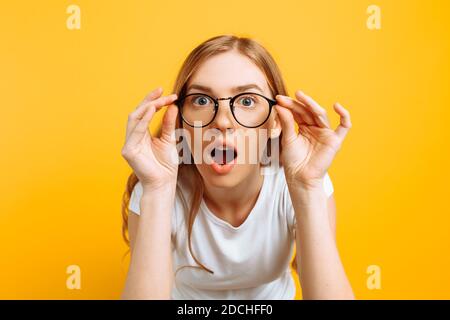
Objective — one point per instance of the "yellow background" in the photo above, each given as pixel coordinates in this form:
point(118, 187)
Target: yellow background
point(66, 95)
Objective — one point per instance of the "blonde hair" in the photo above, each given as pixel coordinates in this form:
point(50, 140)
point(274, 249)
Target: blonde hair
point(213, 46)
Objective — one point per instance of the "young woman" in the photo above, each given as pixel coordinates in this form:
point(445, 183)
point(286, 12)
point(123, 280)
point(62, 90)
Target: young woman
point(217, 227)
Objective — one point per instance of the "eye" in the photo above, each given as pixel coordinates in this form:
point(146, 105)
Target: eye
point(201, 100)
point(246, 101)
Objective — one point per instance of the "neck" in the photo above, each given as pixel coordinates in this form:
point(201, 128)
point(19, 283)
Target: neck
point(234, 204)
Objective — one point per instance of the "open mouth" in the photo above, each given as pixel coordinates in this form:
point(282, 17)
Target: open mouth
point(223, 155)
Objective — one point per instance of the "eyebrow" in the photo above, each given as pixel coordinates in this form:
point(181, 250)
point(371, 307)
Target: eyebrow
point(234, 89)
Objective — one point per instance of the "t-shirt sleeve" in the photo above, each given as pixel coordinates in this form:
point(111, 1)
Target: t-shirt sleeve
point(135, 199)
point(328, 185)
point(289, 210)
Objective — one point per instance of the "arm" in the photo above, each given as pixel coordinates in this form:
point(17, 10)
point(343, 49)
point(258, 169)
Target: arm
point(331, 206)
point(306, 156)
point(150, 273)
point(320, 270)
point(155, 162)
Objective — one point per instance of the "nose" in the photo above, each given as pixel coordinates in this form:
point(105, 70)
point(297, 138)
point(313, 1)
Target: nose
point(224, 118)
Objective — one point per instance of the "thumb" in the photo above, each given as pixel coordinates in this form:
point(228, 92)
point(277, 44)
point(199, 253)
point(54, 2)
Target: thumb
point(287, 124)
point(168, 124)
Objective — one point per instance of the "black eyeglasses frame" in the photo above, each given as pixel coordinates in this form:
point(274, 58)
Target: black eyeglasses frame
point(180, 100)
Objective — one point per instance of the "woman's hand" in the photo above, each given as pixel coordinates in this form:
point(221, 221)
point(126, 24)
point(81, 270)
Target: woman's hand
point(153, 159)
point(307, 156)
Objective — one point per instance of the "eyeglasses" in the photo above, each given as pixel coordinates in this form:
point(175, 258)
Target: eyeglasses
point(249, 109)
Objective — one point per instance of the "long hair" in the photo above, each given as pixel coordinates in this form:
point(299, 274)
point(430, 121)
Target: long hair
point(213, 46)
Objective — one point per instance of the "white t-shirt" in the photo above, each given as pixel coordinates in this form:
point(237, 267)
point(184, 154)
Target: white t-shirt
point(251, 261)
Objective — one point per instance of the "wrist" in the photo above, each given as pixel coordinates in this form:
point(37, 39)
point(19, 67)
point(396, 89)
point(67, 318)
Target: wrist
point(164, 188)
point(307, 197)
point(310, 186)
point(158, 200)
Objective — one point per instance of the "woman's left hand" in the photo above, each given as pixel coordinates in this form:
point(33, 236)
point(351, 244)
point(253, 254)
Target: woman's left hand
point(306, 156)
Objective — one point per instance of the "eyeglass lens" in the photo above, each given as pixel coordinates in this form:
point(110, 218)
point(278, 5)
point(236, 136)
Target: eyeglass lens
point(250, 110)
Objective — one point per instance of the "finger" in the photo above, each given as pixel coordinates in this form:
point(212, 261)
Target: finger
point(345, 122)
point(135, 117)
point(298, 119)
point(320, 114)
point(287, 124)
point(297, 107)
point(138, 132)
point(169, 123)
point(140, 109)
point(156, 93)
point(141, 128)
point(137, 114)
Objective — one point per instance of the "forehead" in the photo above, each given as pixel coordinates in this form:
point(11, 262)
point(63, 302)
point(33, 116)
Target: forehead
point(227, 70)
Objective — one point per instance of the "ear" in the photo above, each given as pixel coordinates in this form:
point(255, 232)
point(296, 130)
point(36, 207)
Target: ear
point(275, 125)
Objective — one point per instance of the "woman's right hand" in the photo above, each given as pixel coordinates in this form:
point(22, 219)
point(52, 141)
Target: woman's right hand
point(154, 160)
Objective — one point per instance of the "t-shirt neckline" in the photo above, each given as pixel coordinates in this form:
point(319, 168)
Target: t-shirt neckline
point(253, 211)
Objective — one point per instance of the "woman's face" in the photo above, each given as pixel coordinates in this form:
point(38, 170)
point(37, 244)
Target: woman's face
point(241, 147)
